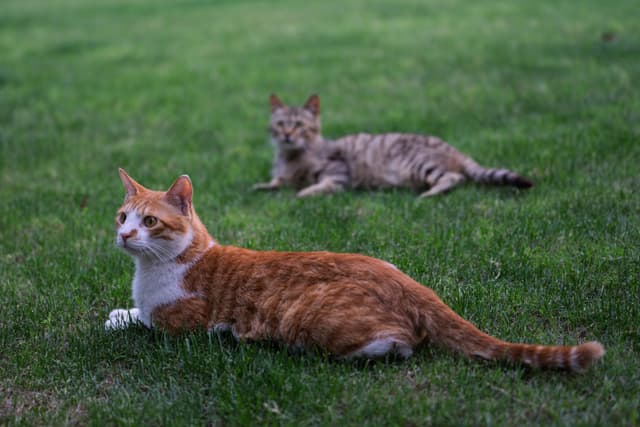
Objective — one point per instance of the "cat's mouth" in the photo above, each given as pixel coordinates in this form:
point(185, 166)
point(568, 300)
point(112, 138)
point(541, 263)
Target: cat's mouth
point(291, 145)
point(128, 246)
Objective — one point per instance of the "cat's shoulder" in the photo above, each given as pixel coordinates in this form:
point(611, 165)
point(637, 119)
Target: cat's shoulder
point(353, 137)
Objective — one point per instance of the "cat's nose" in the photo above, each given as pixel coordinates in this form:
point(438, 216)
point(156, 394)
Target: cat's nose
point(125, 236)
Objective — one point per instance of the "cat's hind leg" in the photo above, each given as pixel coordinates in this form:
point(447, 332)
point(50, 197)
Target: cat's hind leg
point(380, 347)
point(447, 182)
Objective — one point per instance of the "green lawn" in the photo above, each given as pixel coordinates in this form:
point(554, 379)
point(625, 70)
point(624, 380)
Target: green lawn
point(164, 87)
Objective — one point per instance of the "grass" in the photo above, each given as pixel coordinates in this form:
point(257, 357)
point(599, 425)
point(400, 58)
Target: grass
point(163, 88)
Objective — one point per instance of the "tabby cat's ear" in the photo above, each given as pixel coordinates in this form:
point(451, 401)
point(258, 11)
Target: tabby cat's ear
point(313, 104)
point(180, 194)
point(130, 185)
point(275, 102)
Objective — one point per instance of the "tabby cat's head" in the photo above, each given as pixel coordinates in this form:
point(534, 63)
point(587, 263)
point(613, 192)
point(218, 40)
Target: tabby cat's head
point(294, 128)
point(156, 225)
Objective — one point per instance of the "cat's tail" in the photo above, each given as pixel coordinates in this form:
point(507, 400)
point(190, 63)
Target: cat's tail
point(494, 176)
point(447, 328)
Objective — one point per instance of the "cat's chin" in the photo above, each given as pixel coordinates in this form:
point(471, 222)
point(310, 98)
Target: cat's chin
point(130, 251)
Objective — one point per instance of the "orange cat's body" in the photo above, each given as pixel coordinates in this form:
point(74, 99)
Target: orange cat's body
point(338, 302)
point(347, 304)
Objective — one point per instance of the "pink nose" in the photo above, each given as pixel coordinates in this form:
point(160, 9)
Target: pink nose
point(125, 236)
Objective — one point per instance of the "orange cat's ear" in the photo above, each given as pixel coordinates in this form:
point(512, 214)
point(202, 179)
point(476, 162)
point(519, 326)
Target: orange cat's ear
point(313, 104)
point(130, 185)
point(275, 102)
point(180, 194)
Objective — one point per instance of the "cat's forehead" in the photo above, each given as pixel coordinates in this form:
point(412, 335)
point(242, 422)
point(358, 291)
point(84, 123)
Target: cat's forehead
point(149, 203)
point(291, 113)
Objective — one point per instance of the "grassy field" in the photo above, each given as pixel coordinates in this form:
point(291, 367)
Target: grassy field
point(162, 88)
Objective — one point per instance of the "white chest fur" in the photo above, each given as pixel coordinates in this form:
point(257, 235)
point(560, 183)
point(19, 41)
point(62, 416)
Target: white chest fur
point(157, 284)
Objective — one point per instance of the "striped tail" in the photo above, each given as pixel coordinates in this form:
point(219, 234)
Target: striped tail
point(447, 328)
point(494, 176)
point(576, 358)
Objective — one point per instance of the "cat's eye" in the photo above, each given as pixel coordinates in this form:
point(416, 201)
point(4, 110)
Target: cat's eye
point(122, 218)
point(298, 123)
point(279, 123)
point(149, 221)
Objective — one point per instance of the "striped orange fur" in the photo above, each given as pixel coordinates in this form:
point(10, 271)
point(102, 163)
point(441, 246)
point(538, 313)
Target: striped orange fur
point(308, 162)
point(348, 304)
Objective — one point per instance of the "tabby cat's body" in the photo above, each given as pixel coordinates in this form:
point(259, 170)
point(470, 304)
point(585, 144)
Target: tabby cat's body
point(347, 304)
point(306, 161)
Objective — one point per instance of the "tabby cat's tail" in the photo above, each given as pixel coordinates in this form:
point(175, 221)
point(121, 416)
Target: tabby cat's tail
point(447, 328)
point(494, 176)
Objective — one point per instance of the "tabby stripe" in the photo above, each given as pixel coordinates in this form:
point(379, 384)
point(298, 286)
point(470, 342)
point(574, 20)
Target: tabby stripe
point(437, 174)
point(428, 168)
point(573, 359)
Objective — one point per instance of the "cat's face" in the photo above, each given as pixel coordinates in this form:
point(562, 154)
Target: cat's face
point(294, 128)
point(155, 225)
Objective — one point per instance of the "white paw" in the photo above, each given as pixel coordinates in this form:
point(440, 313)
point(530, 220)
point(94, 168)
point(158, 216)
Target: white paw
point(120, 318)
point(261, 186)
point(307, 192)
point(265, 186)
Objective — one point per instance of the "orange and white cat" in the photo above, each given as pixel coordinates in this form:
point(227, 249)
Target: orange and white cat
point(347, 304)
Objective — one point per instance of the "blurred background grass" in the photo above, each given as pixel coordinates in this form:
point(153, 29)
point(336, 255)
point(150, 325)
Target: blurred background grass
point(162, 88)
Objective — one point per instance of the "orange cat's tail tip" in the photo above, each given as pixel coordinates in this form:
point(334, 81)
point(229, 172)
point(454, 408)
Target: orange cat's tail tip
point(595, 348)
point(584, 355)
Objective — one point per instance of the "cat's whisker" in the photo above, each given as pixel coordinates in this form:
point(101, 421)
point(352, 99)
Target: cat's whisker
point(159, 252)
point(169, 253)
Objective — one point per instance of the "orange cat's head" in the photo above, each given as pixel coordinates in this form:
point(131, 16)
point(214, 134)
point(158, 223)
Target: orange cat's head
point(294, 128)
point(158, 225)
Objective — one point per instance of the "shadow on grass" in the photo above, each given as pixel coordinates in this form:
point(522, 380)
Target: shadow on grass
point(200, 344)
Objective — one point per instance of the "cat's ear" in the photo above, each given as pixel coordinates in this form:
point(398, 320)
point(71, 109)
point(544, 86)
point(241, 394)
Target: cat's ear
point(180, 194)
point(275, 102)
point(130, 185)
point(313, 104)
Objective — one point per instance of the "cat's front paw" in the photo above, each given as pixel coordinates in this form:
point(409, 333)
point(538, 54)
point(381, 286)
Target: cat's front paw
point(120, 318)
point(308, 192)
point(264, 186)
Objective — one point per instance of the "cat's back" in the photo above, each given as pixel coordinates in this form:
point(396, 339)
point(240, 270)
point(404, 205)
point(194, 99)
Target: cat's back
point(385, 146)
point(390, 159)
point(230, 267)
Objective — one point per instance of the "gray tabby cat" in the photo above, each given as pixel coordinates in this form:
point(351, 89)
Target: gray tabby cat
point(308, 162)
